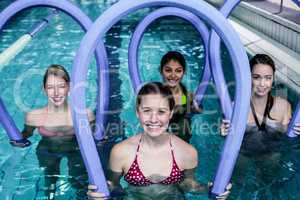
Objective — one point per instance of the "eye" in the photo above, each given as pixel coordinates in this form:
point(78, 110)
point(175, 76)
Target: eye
point(162, 112)
point(62, 86)
point(49, 87)
point(146, 111)
point(179, 71)
point(269, 77)
point(255, 77)
point(168, 70)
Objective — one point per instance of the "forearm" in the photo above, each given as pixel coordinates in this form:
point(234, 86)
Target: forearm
point(189, 184)
point(93, 125)
point(194, 187)
point(196, 108)
point(27, 131)
point(115, 188)
point(114, 178)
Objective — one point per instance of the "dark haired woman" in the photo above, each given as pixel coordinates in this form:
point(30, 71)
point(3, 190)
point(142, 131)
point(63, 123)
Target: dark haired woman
point(172, 68)
point(269, 114)
point(268, 120)
point(54, 124)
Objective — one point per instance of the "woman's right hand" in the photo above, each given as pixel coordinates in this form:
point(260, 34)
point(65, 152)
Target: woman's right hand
point(296, 129)
point(225, 127)
point(95, 195)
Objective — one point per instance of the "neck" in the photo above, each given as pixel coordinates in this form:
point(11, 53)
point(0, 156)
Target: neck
point(259, 100)
point(56, 109)
point(156, 142)
point(176, 90)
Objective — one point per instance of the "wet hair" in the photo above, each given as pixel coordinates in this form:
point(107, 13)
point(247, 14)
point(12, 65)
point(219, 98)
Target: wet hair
point(56, 70)
point(155, 88)
point(262, 59)
point(266, 60)
point(172, 55)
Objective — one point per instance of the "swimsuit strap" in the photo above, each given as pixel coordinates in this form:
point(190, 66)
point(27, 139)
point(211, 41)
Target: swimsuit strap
point(261, 126)
point(172, 151)
point(138, 147)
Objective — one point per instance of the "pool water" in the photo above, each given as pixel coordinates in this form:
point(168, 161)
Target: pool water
point(21, 91)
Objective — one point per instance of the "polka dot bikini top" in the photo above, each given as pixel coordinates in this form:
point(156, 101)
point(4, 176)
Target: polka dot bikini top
point(135, 176)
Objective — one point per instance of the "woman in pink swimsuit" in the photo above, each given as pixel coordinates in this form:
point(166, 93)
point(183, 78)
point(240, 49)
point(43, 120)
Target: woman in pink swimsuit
point(154, 163)
point(54, 123)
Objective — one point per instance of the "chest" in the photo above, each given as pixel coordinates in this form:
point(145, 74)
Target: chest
point(151, 164)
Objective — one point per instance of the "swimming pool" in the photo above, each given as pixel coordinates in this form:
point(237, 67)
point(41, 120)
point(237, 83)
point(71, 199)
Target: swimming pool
point(21, 83)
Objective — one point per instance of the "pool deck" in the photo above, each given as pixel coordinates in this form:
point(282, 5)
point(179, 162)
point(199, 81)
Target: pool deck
point(289, 10)
point(287, 60)
point(273, 33)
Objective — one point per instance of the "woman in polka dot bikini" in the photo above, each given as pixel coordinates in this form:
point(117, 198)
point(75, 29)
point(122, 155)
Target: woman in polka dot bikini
point(154, 163)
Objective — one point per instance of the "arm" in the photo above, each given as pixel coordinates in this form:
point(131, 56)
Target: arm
point(30, 124)
point(115, 173)
point(287, 112)
point(296, 127)
point(225, 127)
point(92, 120)
point(195, 108)
point(189, 184)
point(28, 131)
point(189, 164)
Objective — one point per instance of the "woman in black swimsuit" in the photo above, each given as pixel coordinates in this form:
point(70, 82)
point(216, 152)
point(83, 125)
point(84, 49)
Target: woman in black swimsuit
point(268, 120)
point(269, 114)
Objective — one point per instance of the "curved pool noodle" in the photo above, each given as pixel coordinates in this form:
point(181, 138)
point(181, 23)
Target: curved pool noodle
point(216, 65)
point(19, 45)
point(8, 124)
point(294, 120)
point(86, 142)
point(13, 50)
point(217, 22)
point(225, 100)
point(139, 32)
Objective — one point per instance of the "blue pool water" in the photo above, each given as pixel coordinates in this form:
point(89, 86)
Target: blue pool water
point(21, 91)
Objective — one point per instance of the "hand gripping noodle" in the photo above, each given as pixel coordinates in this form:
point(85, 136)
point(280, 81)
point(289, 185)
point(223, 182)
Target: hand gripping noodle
point(295, 119)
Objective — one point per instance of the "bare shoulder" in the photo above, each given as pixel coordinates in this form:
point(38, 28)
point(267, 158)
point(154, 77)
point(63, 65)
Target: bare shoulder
point(125, 147)
point(281, 101)
point(281, 104)
point(122, 154)
point(186, 154)
point(35, 117)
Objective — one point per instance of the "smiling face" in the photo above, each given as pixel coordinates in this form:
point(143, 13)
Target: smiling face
point(262, 79)
point(172, 73)
point(56, 89)
point(154, 114)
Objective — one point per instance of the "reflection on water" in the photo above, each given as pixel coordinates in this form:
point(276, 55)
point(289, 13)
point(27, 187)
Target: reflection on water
point(269, 175)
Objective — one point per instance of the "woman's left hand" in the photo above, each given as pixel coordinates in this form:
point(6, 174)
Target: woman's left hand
point(296, 129)
point(225, 194)
point(95, 195)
